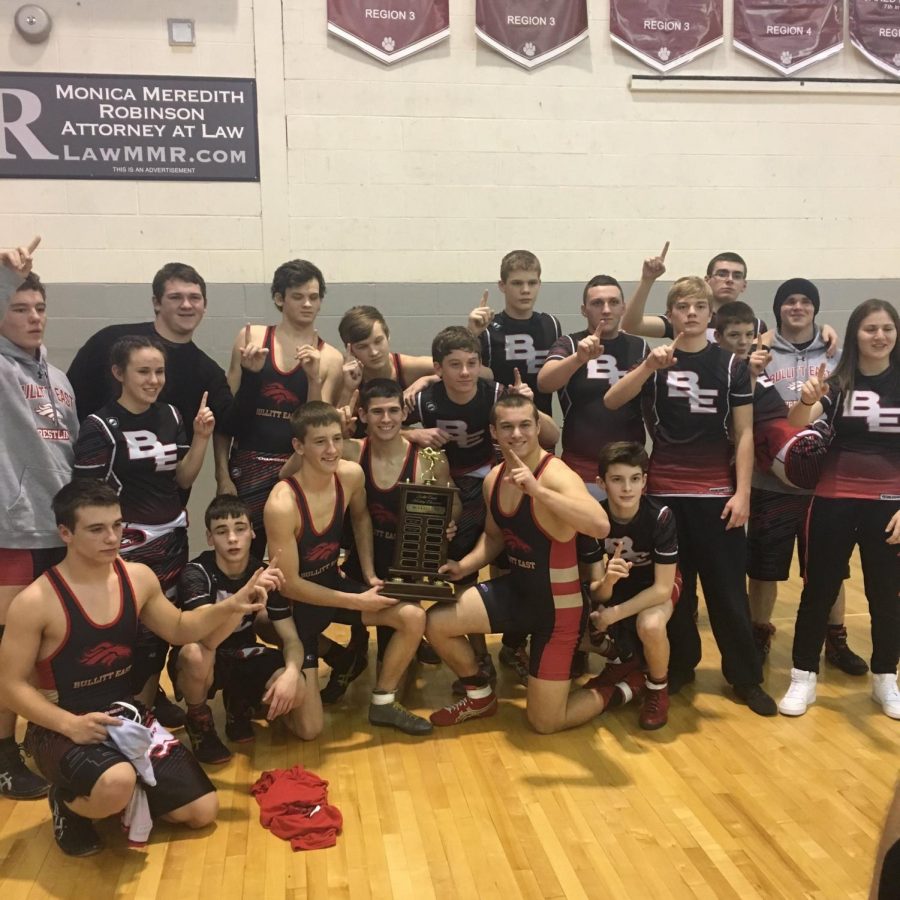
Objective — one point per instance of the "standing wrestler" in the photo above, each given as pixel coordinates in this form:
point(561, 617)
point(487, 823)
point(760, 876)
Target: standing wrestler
point(75, 629)
point(249, 674)
point(274, 370)
point(138, 445)
point(518, 337)
point(582, 367)
point(304, 518)
point(701, 398)
point(536, 507)
point(37, 409)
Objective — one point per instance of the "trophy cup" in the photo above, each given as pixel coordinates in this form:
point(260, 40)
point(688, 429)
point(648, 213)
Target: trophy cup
point(421, 545)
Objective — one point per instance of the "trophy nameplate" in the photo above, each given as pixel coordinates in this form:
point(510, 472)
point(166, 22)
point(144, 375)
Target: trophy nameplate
point(420, 548)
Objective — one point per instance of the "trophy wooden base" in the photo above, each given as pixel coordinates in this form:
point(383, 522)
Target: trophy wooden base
point(441, 591)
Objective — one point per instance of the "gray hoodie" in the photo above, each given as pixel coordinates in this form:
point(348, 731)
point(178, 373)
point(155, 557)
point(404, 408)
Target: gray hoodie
point(38, 427)
point(789, 369)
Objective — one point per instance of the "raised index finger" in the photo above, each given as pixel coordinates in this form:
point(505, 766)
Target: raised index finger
point(35, 243)
point(665, 250)
point(203, 399)
point(618, 551)
point(821, 373)
point(246, 334)
point(273, 559)
point(484, 298)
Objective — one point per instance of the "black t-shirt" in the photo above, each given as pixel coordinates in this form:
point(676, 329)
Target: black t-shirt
point(508, 344)
point(189, 372)
point(650, 538)
point(689, 411)
point(864, 458)
point(136, 455)
point(203, 583)
point(588, 425)
point(470, 446)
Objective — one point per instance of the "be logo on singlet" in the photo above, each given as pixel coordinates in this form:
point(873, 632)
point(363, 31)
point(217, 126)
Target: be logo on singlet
point(521, 347)
point(629, 554)
point(604, 368)
point(144, 445)
point(687, 386)
point(866, 405)
point(459, 432)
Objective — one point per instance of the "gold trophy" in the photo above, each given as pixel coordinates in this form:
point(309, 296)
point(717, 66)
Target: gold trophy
point(421, 543)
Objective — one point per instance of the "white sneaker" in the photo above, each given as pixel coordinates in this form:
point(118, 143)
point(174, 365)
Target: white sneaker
point(886, 692)
point(800, 694)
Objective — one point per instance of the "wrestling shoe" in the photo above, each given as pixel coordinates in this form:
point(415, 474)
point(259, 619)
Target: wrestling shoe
point(239, 729)
point(800, 694)
point(347, 669)
point(75, 835)
point(886, 692)
point(838, 654)
point(168, 714)
point(516, 658)
point(614, 672)
point(655, 708)
point(17, 781)
point(464, 709)
point(398, 716)
point(205, 741)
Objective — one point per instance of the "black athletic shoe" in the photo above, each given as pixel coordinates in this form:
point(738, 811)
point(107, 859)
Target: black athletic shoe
point(757, 699)
point(75, 835)
point(349, 667)
point(398, 716)
point(239, 729)
point(427, 655)
point(167, 713)
point(205, 741)
point(838, 654)
point(17, 781)
point(678, 679)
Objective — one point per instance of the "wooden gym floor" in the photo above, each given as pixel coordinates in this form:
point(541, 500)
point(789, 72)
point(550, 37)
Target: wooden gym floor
point(719, 804)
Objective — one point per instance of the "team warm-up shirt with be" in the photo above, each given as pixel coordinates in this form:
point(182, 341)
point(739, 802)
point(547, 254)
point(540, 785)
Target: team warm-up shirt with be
point(136, 455)
point(689, 409)
point(587, 424)
point(508, 344)
point(470, 446)
point(864, 457)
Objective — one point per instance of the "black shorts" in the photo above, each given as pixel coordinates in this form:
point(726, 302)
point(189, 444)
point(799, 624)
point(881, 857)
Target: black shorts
point(776, 521)
point(250, 668)
point(312, 620)
point(555, 633)
point(76, 768)
point(470, 524)
point(148, 657)
point(21, 567)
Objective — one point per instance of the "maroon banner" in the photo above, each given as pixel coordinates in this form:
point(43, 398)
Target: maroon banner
point(666, 33)
point(531, 32)
point(875, 32)
point(390, 29)
point(788, 35)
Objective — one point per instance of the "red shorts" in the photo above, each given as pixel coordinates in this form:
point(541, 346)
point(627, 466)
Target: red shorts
point(18, 568)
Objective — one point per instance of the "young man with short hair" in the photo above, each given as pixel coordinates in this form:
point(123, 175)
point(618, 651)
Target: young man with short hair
point(275, 369)
point(37, 409)
point(73, 632)
point(304, 518)
point(778, 508)
point(251, 675)
point(640, 584)
point(537, 506)
point(701, 399)
point(518, 337)
point(582, 367)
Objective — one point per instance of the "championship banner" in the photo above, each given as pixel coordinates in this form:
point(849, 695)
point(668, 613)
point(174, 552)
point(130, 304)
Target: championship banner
point(788, 35)
point(531, 32)
point(875, 32)
point(666, 33)
point(390, 30)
